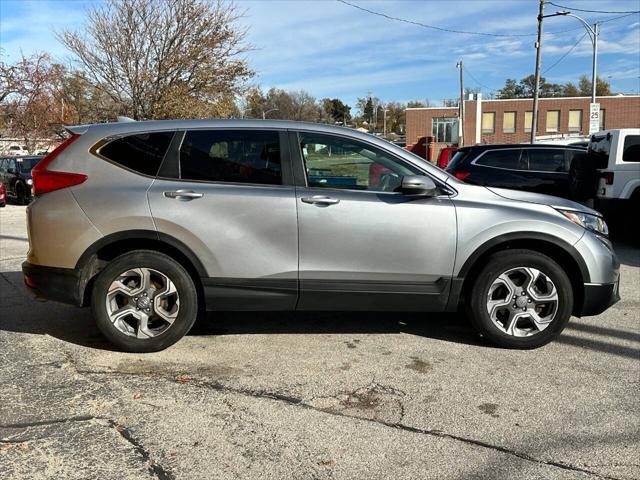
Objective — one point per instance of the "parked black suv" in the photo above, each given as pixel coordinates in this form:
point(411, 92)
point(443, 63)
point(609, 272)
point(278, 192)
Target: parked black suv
point(536, 168)
point(15, 175)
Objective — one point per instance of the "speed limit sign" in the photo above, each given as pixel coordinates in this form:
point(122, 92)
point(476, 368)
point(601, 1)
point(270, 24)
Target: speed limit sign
point(594, 117)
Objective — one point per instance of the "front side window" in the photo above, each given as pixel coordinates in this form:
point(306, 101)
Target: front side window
point(488, 122)
point(142, 153)
point(445, 129)
point(547, 160)
point(553, 120)
point(509, 122)
point(26, 164)
point(236, 156)
point(509, 158)
point(631, 152)
point(338, 162)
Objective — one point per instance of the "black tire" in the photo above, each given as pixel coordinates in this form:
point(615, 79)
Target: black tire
point(21, 194)
point(583, 177)
point(501, 262)
point(185, 287)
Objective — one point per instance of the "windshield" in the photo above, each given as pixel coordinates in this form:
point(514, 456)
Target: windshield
point(457, 158)
point(25, 165)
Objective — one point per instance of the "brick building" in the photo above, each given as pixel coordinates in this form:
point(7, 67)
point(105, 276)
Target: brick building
point(509, 120)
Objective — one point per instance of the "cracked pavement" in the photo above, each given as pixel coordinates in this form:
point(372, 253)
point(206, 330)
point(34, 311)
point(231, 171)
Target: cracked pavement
point(318, 395)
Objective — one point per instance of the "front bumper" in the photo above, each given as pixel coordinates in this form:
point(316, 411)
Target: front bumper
point(599, 297)
point(57, 284)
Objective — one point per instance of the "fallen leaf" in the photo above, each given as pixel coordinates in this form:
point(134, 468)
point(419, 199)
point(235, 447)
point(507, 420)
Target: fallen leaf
point(137, 396)
point(182, 379)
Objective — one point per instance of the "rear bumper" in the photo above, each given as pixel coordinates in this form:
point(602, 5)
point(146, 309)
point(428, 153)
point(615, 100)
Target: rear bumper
point(57, 284)
point(599, 297)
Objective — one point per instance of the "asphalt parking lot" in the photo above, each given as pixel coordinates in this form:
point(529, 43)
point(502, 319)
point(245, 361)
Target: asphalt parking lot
point(313, 396)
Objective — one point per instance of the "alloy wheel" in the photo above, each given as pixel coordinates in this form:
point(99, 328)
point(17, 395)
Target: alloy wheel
point(142, 302)
point(522, 301)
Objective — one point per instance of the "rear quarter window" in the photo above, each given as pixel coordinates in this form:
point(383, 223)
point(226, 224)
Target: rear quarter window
point(631, 152)
point(457, 159)
point(142, 152)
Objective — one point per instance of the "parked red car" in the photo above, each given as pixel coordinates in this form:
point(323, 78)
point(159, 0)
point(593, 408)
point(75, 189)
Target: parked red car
point(445, 155)
point(3, 195)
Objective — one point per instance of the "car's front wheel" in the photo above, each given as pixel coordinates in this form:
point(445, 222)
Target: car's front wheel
point(521, 299)
point(144, 301)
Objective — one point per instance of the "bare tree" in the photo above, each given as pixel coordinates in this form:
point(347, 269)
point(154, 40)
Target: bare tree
point(30, 94)
point(163, 58)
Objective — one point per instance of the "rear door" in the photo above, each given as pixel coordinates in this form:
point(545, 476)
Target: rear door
point(364, 245)
point(228, 195)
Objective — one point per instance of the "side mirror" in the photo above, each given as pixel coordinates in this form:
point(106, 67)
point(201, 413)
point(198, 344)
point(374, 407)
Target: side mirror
point(418, 185)
point(11, 170)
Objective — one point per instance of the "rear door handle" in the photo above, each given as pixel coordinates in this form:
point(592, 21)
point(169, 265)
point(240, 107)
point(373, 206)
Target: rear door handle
point(183, 194)
point(319, 199)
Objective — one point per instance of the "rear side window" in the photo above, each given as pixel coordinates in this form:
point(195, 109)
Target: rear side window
point(547, 160)
point(237, 156)
point(631, 152)
point(142, 153)
point(508, 158)
point(599, 148)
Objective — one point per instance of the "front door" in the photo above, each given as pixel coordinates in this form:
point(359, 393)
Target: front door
point(227, 195)
point(362, 244)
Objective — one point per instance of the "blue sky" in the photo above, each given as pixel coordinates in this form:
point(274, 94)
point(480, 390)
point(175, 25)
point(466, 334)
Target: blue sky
point(333, 50)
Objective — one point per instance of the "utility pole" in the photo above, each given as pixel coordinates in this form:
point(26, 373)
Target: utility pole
point(536, 86)
point(384, 116)
point(461, 107)
point(594, 77)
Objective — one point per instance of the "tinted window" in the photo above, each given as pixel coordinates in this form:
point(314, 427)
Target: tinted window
point(631, 152)
point(338, 162)
point(26, 164)
point(547, 160)
point(457, 159)
point(599, 147)
point(507, 158)
point(231, 156)
point(142, 153)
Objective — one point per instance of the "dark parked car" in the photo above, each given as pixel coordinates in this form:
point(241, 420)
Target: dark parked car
point(15, 175)
point(535, 168)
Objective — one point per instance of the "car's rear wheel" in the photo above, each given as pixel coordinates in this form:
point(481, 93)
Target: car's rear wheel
point(521, 299)
point(144, 301)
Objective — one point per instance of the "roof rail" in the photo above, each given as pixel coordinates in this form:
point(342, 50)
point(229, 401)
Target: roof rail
point(124, 119)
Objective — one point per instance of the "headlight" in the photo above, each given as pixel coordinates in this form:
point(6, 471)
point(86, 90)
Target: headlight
point(29, 182)
point(588, 221)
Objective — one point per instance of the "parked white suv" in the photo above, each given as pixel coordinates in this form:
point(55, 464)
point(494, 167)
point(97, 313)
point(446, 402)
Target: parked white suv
point(617, 155)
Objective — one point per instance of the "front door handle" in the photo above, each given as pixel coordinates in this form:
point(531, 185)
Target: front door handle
point(183, 194)
point(319, 199)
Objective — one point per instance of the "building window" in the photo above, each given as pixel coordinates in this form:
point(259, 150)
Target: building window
point(528, 121)
point(553, 121)
point(445, 129)
point(509, 122)
point(575, 120)
point(601, 119)
point(488, 122)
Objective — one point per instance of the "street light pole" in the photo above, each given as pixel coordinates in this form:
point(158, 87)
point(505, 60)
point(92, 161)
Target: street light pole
point(461, 107)
point(536, 86)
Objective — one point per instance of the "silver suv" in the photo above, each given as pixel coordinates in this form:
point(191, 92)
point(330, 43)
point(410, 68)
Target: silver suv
point(152, 223)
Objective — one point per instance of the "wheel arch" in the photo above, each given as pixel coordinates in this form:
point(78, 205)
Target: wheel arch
point(96, 257)
point(561, 252)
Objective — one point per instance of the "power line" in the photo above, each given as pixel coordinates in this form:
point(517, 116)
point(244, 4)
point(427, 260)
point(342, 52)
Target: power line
point(592, 11)
point(617, 18)
point(491, 90)
point(424, 25)
point(450, 30)
point(566, 53)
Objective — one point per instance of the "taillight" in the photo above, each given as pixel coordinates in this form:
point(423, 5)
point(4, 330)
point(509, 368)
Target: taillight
point(45, 180)
point(608, 178)
point(461, 175)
